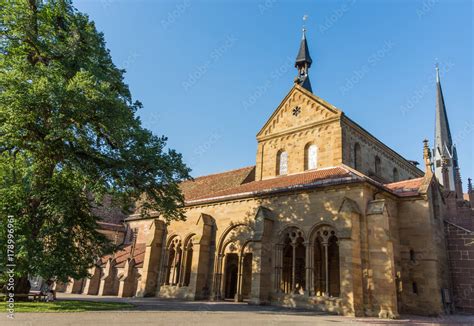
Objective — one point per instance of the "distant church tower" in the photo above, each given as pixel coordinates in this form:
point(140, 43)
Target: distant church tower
point(444, 151)
point(303, 63)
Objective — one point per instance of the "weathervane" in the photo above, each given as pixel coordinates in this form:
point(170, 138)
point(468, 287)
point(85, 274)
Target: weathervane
point(305, 17)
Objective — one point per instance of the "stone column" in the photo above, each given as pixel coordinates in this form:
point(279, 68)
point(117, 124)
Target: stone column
point(308, 268)
point(218, 277)
point(238, 295)
point(326, 268)
point(278, 266)
point(153, 255)
point(200, 271)
point(261, 289)
point(293, 268)
point(183, 266)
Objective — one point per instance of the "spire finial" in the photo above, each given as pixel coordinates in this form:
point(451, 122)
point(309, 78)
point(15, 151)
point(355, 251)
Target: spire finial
point(303, 61)
point(437, 71)
point(305, 18)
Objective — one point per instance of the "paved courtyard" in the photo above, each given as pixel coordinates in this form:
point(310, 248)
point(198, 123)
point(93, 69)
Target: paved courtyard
point(150, 311)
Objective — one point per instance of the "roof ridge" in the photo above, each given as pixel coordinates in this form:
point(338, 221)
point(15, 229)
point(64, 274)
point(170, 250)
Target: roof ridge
point(223, 172)
point(402, 181)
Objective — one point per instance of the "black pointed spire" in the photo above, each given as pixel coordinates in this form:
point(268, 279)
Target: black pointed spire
point(303, 63)
point(443, 134)
point(443, 143)
point(303, 57)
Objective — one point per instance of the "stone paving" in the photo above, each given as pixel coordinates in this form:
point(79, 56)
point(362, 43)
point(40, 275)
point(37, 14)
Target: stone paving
point(151, 311)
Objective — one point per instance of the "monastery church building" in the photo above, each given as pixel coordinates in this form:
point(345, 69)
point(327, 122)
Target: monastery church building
point(329, 218)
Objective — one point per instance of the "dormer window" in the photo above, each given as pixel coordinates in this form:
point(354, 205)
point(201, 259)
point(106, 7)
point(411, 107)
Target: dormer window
point(311, 157)
point(282, 163)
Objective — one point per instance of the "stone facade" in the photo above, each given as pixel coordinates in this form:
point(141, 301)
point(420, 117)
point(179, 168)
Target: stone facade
point(340, 237)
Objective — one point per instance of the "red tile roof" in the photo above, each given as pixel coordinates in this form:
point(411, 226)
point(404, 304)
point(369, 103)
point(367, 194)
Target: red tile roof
point(111, 226)
point(123, 254)
point(406, 187)
point(205, 185)
point(282, 183)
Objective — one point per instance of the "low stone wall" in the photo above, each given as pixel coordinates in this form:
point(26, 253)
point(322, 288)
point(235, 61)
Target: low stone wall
point(176, 292)
point(326, 304)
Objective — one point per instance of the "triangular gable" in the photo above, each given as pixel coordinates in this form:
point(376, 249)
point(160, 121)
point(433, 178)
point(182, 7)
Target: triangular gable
point(312, 110)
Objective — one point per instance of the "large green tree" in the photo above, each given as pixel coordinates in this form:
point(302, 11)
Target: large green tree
point(69, 134)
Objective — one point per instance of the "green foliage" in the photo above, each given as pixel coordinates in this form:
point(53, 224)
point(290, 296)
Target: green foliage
point(69, 134)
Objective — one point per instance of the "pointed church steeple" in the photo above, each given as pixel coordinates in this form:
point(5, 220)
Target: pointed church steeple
point(303, 63)
point(443, 143)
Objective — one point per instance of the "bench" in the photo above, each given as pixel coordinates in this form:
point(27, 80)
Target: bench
point(34, 296)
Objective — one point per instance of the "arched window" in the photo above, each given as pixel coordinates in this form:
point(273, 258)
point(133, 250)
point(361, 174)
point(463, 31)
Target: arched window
point(377, 165)
point(395, 175)
point(293, 263)
point(174, 262)
point(282, 163)
point(188, 262)
point(326, 263)
point(357, 164)
point(311, 157)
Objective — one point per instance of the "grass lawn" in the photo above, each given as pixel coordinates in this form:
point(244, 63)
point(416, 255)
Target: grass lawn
point(69, 306)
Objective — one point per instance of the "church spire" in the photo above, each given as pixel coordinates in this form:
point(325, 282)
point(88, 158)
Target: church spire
point(303, 62)
point(443, 144)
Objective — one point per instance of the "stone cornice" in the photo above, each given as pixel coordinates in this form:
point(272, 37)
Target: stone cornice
point(298, 129)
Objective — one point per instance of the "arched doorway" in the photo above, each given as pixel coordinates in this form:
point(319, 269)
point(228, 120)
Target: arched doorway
point(233, 269)
point(231, 274)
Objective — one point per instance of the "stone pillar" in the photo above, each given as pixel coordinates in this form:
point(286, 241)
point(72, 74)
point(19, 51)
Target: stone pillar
point(127, 280)
point(74, 286)
point(261, 273)
point(147, 286)
point(381, 257)
point(427, 158)
point(238, 295)
point(108, 279)
point(218, 277)
point(200, 269)
point(92, 283)
point(350, 261)
point(278, 267)
point(262, 257)
point(309, 289)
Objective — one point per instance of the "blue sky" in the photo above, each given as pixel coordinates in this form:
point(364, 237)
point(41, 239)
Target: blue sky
point(210, 73)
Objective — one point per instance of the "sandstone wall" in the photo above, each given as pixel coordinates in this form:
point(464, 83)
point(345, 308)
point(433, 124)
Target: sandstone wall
point(461, 259)
point(369, 149)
